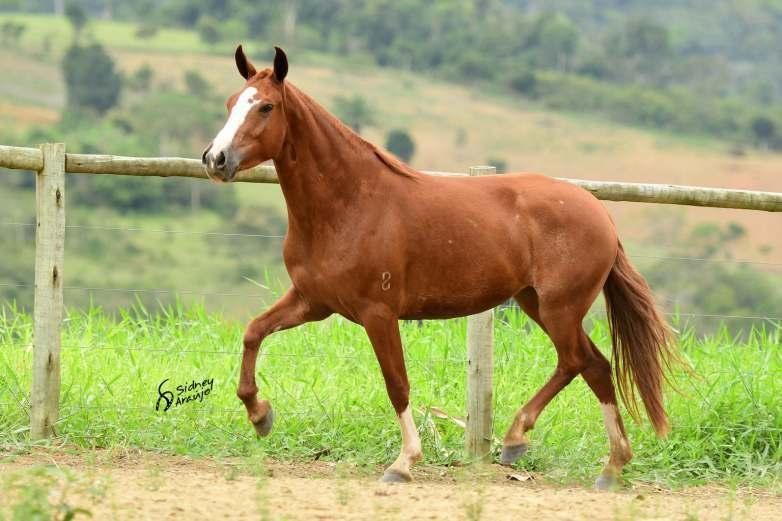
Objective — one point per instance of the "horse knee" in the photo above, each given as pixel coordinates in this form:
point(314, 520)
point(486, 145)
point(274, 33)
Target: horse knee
point(253, 336)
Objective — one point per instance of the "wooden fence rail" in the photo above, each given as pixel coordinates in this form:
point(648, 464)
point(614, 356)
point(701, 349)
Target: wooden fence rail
point(31, 159)
point(51, 162)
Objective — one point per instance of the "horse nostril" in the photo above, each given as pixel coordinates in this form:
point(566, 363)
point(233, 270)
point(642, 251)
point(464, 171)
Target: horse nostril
point(220, 163)
point(206, 151)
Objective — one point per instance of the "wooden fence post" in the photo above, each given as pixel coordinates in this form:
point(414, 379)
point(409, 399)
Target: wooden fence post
point(480, 346)
point(47, 313)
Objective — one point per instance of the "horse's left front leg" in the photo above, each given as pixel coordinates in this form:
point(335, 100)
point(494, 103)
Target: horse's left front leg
point(290, 311)
point(383, 331)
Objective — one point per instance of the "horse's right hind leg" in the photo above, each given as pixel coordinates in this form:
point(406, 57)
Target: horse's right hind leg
point(598, 377)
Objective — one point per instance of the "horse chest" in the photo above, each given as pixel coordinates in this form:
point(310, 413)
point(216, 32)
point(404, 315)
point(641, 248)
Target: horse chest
point(314, 273)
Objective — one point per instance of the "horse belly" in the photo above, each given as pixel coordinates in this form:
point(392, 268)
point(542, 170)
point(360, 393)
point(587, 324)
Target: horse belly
point(462, 283)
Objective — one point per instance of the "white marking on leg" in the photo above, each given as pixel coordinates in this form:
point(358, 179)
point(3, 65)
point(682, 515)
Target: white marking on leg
point(619, 447)
point(411, 444)
point(517, 433)
point(239, 112)
point(610, 418)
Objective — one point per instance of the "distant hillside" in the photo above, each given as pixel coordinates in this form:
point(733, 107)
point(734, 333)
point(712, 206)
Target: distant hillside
point(454, 127)
point(691, 67)
point(745, 36)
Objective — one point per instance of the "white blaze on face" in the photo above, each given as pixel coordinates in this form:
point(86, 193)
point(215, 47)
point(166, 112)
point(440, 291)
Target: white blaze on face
point(239, 112)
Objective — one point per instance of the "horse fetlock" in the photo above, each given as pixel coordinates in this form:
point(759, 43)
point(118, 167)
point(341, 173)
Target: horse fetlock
point(415, 455)
point(624, 454)
point(517, 434)
point(618, 458)
point(257, 410)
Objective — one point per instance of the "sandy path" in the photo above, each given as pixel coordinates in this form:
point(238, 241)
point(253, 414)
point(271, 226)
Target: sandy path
point(143, 486)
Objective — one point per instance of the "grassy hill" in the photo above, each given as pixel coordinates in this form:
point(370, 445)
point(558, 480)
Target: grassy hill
point(453, 126)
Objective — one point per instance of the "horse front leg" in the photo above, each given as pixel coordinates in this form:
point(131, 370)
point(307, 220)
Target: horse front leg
point(290, 311)
point(383, 332)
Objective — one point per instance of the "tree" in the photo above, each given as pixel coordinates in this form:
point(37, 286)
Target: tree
point(146, 30)
point(209, 30)
point(354, 112)
point(764, 130)
point(500, 164)
point(77, 16)
point(400, 143)
point(554, 39)
point(524, 82)
point(641, 50)
point(196, 84)
point(11, 32)
point(141, 80)
point(91, 79)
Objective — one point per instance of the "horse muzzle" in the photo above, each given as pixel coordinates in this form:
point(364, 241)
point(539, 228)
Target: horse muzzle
point(221, 166)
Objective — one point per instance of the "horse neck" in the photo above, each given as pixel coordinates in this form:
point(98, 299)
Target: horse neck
point(324, 168)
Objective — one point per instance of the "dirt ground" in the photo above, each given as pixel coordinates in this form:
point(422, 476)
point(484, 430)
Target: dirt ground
point(140, 486)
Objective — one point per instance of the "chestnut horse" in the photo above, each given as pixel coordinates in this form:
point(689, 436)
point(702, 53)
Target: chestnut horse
point(376, 241)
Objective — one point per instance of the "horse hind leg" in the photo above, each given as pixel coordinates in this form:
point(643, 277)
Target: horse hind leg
point(598, 377)
point(563, 327)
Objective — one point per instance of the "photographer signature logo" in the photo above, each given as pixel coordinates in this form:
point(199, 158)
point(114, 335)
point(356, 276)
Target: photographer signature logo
point(193, 391)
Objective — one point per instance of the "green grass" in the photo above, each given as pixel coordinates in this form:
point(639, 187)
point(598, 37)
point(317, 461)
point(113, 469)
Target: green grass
point(331, 402)
point(149, 252)
point(58, 32)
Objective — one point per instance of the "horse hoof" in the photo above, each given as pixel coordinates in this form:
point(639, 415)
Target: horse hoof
point(394, 476)
point(511, 454)
point(264, 427)
point(607, 483)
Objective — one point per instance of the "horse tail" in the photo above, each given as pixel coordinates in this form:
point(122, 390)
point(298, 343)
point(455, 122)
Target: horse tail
point(642, 343)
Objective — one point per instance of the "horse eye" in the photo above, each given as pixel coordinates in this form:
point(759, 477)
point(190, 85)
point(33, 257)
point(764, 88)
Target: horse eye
point(267, 108)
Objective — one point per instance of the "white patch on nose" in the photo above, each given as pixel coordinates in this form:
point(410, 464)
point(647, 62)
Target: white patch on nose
point(239, 112)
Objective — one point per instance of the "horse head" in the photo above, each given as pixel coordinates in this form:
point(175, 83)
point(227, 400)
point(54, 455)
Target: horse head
point(256, 128)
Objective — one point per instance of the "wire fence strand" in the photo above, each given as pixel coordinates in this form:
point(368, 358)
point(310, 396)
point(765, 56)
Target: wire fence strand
point(277, 236)
point(152, 230)
point(172, 291)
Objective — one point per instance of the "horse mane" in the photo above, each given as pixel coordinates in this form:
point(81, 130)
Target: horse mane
point(392, 162)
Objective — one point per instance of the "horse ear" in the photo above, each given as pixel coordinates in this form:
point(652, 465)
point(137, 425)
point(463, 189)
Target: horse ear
point(280, 64)
point(246, 68)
